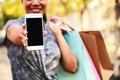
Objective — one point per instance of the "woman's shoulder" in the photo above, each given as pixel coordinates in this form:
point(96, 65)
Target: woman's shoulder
point(12, 21)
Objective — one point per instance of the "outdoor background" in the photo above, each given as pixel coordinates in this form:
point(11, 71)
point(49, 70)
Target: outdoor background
point(80, 14)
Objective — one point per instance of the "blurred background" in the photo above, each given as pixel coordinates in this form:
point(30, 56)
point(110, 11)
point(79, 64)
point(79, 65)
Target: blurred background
point(82, 15)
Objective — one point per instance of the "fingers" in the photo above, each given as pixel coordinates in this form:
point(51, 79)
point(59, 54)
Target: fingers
point(24, 41)
point(55, 19)
point(24, 35)
point(23, 27)
point(44, 33)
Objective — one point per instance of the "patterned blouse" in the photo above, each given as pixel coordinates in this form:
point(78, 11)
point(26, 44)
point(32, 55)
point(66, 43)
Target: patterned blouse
point(36, 64)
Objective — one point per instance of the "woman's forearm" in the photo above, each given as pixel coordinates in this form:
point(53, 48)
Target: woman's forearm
point(69, 62)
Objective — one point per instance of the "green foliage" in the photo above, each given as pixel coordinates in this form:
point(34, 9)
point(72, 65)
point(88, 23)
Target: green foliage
point(63, 7)
point(1, 23)
point(12, 9)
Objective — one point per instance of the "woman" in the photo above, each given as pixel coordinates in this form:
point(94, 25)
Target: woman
point(38, 64)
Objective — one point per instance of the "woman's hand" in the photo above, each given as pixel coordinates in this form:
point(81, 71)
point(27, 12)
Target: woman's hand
point(17, 34)
point(54, 25)
point(14, 34)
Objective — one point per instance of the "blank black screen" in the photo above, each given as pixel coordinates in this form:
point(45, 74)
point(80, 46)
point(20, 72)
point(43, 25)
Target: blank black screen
point(35, 33)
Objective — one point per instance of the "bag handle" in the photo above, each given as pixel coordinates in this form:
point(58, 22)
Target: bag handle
point(66, 28)
point(67, 25)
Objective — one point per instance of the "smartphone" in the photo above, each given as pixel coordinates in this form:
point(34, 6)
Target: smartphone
point(34, 25)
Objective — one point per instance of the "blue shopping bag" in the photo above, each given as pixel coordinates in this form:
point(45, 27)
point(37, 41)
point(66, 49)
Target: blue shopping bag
point(85, 70)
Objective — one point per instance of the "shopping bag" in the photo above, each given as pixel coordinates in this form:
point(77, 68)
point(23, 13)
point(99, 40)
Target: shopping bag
point(97, 76)
point(101, 48)
point(91, 45)
point(97, 51)
point(85, 70)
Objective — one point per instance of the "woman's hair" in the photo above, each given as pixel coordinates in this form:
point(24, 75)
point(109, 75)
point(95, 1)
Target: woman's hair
point(45, 18)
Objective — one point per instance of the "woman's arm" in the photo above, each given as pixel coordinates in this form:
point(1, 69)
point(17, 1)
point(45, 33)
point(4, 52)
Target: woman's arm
point(68, 61)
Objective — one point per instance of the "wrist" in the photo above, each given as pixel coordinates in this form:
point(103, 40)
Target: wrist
point(57, 33)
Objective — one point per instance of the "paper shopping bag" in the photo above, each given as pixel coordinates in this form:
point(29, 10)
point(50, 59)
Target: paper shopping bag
point(85, 70)
point(97, 76)
point(95, 45)
point(101, 48)
point(91, 45)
